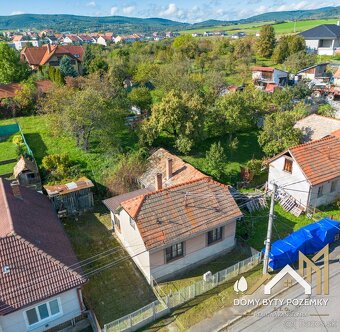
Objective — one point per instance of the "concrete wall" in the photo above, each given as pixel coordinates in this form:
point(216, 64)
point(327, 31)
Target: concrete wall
point(133, 243)
point(302, 191)
point(282, 178)
point(70, 308)
point(327, 196)
point(312, 44)
point(196, 251)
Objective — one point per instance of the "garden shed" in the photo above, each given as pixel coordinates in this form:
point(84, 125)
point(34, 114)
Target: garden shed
point(27, 173)
point(71, 198)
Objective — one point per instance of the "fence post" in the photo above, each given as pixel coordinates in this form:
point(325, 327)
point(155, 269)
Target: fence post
point(238, 268)
point(130, 320)
point(153, 311)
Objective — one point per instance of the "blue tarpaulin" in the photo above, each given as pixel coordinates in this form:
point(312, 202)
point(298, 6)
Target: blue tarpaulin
point(308, 239)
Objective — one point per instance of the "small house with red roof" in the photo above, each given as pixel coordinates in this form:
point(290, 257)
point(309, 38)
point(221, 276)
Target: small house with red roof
point(40, 276)
point(310, 172)
point(179, 220)
point(52, 54)
point(268, 78)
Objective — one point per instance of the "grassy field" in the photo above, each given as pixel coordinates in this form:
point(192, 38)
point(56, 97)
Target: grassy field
point(252, 28)
point(43, 141)
point(114, 292)
point(284, 224)
point(8, 150)
point(247, 149)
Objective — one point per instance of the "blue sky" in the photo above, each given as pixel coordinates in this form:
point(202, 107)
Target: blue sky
point(185, 11)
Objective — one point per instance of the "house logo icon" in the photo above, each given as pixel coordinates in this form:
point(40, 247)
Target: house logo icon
point(288, 270)
point(304, 279)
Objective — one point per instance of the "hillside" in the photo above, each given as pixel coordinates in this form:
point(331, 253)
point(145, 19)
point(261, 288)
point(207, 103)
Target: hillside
point(74, 23)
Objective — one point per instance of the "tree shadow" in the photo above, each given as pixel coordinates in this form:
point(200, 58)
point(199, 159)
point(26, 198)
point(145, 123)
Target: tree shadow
point(37, 145)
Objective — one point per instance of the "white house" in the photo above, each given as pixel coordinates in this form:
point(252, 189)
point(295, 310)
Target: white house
point(309, 172)
point(39, 279)
point(323, 39)
point(170, 226)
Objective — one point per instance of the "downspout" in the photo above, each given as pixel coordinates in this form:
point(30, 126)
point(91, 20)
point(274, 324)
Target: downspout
point(80, 300)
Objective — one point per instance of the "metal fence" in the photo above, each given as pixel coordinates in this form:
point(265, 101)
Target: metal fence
point(165, 303)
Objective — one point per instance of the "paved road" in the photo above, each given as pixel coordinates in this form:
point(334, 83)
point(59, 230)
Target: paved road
point(312, 318)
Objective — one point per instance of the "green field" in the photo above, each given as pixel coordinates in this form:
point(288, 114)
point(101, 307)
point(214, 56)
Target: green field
point(252, 28)
point(8, 150)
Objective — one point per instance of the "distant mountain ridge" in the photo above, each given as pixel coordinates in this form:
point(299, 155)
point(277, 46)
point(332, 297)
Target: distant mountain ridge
point(122, 24)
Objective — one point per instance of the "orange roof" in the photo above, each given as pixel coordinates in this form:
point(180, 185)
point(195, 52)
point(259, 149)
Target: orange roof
point(17, 38)
point(9, 90)
point(319, 160)
point(40, 55)
point(175, 213)
point(62, 189)
point(337, 73)
point(181, 171)
point(258, 68)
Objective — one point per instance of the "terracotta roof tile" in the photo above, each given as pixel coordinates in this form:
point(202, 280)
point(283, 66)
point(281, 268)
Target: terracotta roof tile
point(177, 212)
point(9, 90)
point(182, 171)
point(34, 245)
point(319, 159)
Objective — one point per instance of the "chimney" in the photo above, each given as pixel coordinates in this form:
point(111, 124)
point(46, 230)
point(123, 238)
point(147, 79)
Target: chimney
point(158, 182)
point(16, 189)
point(168, 168)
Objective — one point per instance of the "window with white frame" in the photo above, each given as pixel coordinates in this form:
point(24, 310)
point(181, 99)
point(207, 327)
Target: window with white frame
point(43, 312)
point(215, 235)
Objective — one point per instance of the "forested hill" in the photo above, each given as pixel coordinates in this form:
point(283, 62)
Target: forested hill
point(74, 23)
point(121, 24)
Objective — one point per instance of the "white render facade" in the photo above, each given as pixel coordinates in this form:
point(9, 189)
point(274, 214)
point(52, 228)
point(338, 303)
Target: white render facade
point(63, 308)
point(153, 264)
point(297, 185)
point(323, 46)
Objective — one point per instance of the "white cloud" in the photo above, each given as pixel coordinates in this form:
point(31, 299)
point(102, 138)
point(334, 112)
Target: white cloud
point(170, 10)
point(114, 10)
point(17, 12)
point(128, 10)
point(91, 4)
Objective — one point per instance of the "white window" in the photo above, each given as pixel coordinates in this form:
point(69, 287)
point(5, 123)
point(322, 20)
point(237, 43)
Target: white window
point(43, 313)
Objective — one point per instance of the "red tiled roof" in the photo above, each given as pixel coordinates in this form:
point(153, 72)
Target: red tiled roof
point(258, 68)
point(38, 56)
point(179, 211)
point(17, 38)
point(181, 171)
point(319, 159)
point(34, 246)
point(9, 90)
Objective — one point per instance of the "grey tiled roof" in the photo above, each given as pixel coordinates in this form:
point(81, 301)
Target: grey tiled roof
point(322, 31)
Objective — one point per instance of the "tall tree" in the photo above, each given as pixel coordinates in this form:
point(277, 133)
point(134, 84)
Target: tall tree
point(266, 42)
point(216, 160)
point(11, 69)
point(87, 59)
point(181, 115)
point(66, 67)
point(278, 133)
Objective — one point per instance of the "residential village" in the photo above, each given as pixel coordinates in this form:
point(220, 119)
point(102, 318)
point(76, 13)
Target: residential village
point(137, 171)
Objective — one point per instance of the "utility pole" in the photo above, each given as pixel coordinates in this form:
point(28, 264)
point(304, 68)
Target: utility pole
point(269, 230)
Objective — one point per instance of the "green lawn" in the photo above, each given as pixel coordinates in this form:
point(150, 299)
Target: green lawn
point(248, 148)
point(43, 141)
point(114, 292)
point(8, 150)
point(252, 28)
point(284, 223)
point(239, 253)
